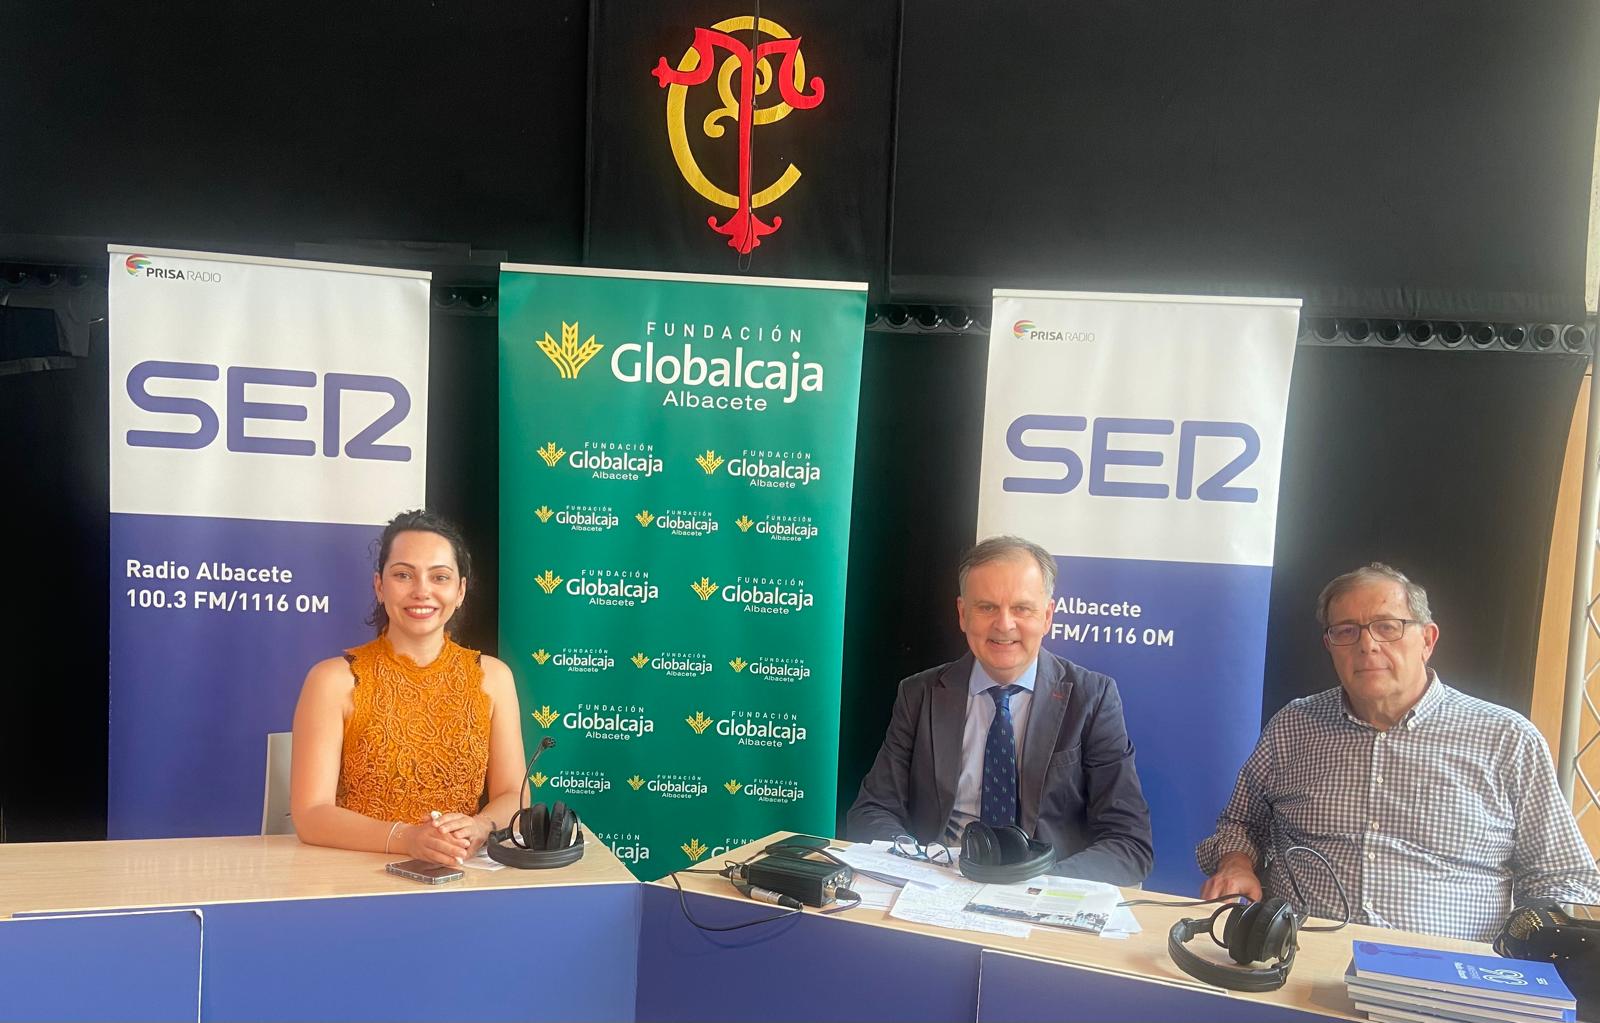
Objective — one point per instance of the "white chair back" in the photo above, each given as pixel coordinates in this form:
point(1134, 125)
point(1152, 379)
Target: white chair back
point(275, 801)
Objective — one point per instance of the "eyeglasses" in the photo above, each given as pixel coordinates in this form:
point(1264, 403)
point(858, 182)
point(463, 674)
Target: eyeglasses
point(911, 849)
point(1384, 630)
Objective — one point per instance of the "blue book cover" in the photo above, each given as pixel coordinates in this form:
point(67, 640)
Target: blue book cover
point(1490, 977)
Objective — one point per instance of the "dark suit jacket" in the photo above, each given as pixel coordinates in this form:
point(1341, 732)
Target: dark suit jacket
point(1077, 787)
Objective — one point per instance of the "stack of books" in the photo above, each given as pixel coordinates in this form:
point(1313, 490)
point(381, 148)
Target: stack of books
point(1402, 984)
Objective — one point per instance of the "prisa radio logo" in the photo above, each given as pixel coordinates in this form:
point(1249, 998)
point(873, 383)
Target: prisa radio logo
point(1027, 330)
point(1113, 449)
point(140, 265)
point(201, 413)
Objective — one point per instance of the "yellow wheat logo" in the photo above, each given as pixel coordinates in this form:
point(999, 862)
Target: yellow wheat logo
point(538, 779)
point(738, 663)
point(548, 582)
point(551, 454)
point(544, 513)
point(705, 587)
point(639, 659)
point(744, 522)
point(709, 461)
point(732, 786)
point(569, 356)
point(699, 722)
point(645, 518)
point(693, 849)
point(637, 782)
point(541, 655)
point(544, 715)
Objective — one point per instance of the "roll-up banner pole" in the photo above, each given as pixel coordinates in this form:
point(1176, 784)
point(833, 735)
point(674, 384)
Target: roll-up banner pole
point(1138, 438)
point(267, 416)
point(676, 460)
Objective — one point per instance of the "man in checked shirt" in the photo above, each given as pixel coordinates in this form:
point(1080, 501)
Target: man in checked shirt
point(1438, 811)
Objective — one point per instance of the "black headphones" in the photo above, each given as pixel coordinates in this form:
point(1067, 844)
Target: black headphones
point(540, 837)
point(1251, 933)
point(1003, 855)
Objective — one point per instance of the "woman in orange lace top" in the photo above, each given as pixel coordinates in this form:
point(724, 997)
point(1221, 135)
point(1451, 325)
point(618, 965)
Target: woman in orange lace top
point(410, 743)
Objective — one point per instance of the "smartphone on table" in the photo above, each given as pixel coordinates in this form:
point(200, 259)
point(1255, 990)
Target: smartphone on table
point(797, 845)
point(422, 870)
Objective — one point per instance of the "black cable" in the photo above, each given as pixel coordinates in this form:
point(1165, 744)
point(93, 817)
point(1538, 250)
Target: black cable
point(839, 907)
point(1294, 882)
point(683, 904)
point(1184, 904)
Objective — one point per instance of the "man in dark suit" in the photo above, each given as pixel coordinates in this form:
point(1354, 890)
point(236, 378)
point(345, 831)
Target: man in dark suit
point(1010, 734)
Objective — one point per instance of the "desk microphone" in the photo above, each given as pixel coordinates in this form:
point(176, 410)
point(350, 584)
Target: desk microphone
point(540, 836)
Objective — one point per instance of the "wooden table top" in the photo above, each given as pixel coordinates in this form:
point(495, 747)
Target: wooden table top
point(55, 876)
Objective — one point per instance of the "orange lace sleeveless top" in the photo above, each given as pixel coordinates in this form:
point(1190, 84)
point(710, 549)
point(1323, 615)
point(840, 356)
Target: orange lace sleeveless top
point(418, 738)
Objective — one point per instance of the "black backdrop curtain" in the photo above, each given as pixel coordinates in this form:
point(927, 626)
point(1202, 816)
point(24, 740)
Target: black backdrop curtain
point(1424, 158)
point(1445, 465)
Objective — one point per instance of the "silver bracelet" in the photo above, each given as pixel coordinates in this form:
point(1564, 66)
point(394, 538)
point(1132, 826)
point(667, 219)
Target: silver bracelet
point(390, 837)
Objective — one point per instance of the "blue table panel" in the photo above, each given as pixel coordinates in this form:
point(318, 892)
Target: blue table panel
point(806, 967)
point(124, 967)
point(1019, 989)
point(558, 953)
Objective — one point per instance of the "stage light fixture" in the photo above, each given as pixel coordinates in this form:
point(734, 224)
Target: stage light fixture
point(1324, 328)
point(1544, 336)
point(1573, 338)
point(477, 299)
point(897, 316)
point(1421, 332)
point(1451, 334)
point(957, 317)
point(1357, 330)
point(444, 298)
point(1389, 331)
point(1482, 334)
point(874, 316)
point(1512, 335)
point(928, 317)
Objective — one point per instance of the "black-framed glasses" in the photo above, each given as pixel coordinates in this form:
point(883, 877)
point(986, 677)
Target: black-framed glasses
point(911, 849)
point(1384, 630)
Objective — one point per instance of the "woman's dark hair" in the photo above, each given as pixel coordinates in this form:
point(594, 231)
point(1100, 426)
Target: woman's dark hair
point(421, 521)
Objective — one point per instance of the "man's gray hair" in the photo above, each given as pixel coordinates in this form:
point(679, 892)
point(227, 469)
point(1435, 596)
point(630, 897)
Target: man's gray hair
point(1376, 572)
point(1004, 548)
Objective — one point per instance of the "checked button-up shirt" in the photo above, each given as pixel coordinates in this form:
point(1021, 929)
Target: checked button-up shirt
point(1439, 825)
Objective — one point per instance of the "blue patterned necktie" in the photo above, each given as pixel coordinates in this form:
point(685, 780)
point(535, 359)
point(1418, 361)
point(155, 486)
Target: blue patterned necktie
point(999, 805)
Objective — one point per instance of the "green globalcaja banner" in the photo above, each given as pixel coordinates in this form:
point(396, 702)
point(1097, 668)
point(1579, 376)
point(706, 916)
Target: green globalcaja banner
point(676, 459)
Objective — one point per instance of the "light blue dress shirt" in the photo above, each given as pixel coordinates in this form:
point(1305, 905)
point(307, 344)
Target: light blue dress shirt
point(975, 737)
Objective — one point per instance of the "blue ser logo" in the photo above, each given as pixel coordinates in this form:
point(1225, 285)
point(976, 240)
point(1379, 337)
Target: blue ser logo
point(239, 411)
point(1102, 456)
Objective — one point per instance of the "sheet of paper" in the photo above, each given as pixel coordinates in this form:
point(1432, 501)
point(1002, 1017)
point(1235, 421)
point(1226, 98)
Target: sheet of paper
point(1122, 925)
point(874, 894)
point(942, 907)
point(1056, 901)
point(877, 859)
point(482, 862)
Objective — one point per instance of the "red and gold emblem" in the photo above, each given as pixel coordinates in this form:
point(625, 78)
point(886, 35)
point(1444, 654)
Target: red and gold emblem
point(751, 74)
